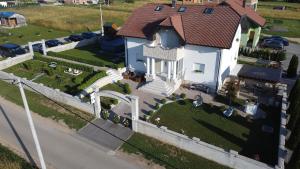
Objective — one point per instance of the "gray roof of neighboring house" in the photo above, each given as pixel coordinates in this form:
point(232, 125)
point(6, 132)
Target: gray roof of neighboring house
point(260, 73)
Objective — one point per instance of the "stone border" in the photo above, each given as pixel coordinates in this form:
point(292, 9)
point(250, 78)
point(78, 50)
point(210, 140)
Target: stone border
point(4, 64)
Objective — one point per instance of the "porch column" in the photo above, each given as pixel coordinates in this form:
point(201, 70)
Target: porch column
point(153, 68)
point(174, 70)
point(169, 70)
point(148, 66)
point(162, 65)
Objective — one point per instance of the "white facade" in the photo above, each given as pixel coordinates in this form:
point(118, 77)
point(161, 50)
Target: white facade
point(3, 4)
point(167, 59)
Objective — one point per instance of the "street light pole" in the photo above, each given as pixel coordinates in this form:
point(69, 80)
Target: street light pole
point(101, 20)
point(35, 138)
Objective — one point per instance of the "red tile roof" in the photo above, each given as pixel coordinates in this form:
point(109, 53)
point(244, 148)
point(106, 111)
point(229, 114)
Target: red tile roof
point(214, 30)
point(237, 5)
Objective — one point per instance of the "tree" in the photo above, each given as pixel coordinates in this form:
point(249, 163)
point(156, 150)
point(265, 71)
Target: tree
point(231, 91)
point(293, 67)
point(294, 107)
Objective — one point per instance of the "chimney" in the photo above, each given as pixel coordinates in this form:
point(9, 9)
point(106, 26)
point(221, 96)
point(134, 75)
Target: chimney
point(173, 3)
point(244, 3)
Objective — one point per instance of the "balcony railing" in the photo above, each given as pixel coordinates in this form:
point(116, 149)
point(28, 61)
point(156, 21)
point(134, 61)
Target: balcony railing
point(161, 53)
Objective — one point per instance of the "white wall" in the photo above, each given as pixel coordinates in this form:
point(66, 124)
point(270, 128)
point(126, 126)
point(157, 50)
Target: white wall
point(204, 55)
point(4, 4)
point(135, 50)
point(229, 57)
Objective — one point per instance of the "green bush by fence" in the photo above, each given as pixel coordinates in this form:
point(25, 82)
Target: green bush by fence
point(265, 54)
point(91, 80)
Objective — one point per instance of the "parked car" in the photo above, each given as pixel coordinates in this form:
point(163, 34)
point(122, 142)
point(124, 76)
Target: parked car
point(228, 112)
point(53, 43)
point(75, 38)
point(88, 35)
point(38, 47)
point(11, 50)
point(274, 44)
point(279, 38)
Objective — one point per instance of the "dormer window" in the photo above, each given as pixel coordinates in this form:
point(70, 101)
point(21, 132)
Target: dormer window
point(158, 8)
point(208, 10)
point(182, 9)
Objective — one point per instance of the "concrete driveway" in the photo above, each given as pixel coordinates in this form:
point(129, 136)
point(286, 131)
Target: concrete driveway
point(106, 133)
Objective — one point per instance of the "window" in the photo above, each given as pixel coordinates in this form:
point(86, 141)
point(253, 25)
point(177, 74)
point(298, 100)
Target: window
point(182, 9)
point(208, 10)
point(158, 8)
point(199, 68)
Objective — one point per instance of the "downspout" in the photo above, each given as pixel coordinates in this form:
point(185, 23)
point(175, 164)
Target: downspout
point(219, 67)
point(126, 53)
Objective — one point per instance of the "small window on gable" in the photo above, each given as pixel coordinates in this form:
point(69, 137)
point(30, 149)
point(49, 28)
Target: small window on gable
point(182, 9)
point(199, 67)
point(158, 8)
point(208, 10)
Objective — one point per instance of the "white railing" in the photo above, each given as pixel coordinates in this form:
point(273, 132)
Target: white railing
point(162, 53)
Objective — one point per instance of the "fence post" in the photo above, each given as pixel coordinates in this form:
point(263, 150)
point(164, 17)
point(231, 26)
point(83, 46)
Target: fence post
point(135, 112)
point(30, 48)
point(44, 47)
point(97, 104)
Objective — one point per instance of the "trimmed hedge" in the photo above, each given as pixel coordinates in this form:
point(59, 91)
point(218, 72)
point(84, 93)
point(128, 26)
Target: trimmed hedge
point(265, 54)
point(75, 66)
point(94, 62)
point(91, 80)
point(293, 67)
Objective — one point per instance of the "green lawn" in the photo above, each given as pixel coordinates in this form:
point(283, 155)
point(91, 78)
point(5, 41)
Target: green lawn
point(44, 107)
point(91, 55)
point(117, 87)
point(209, 124)
point(53, 77)
point(291, 27)
point(29, 33)
point(10, 160)
point(166, 155)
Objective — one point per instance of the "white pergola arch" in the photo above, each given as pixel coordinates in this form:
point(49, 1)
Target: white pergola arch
point(36, 42)
point(132, 101)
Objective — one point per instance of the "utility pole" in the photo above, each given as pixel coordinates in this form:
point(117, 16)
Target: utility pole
point(35, 138)
point(101, 20)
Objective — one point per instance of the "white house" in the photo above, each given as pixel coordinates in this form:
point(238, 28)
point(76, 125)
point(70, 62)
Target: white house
point(182, 44)
point(3, 4)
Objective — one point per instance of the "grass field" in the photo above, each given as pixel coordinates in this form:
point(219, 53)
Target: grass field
point(10, 160)
point(166, 155)
point(45, 107)
point(40, 72)
point(209, 124)
point(288, 19)
point(91, 55)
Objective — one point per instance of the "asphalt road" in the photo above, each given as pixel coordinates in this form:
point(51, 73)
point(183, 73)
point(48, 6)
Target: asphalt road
point(62, 148)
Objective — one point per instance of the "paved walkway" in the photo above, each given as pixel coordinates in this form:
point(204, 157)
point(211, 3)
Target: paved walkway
point(103, 137)
point(96, 68)
point(37, 76)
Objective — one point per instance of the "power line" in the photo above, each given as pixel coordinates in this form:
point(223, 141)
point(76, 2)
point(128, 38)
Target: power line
point(126, 142)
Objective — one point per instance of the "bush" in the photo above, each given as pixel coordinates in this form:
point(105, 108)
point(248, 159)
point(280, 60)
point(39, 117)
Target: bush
point(27, 66)
point(265, 54)
point(163, 101)
point(114, 101)
point(129, 1)
point(116, 119)
point(293, 67)
point(156, 107)
point(127, 89)
point(183, 95)
point(105, 114)
point(151, 113)
point(92, 79)
point(48, 72)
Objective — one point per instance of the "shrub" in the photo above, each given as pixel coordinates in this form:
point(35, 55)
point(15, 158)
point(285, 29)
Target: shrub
point(173, 96)
point(105, 114)
point(127, 89)
point(156, 107)
point(92, 79)
point(293, 67)
point(114, 101)
point(27, 66)
point(129, 1)
point(146, 117)
point(48, 72)
point(183, 95)
point(163, 101)
point(151, 113)
point(116, 119)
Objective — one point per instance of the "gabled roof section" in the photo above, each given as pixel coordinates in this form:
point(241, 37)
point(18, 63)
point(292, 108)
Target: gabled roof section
point(237, 5)
point(197, 28)
point(174, 21)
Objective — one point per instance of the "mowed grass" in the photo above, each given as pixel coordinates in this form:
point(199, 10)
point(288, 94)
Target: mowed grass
point(237, 133)
point(46, 108)
point(58, 79)
point(10, 160)
point(166, 155)
point(29, 33)
point(292, 26)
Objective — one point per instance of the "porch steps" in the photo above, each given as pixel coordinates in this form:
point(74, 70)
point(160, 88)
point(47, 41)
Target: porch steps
point(159, 87)
point(114, 75)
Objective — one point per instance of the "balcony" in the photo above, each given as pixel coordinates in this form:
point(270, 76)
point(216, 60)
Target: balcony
point(161, 53)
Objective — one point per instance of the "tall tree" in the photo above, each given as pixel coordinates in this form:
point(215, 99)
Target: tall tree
point(293, 67)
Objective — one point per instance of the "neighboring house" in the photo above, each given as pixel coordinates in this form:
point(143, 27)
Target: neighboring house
point(12, 19)
point(3, 4)
point(81, 2)
point(251, 22)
